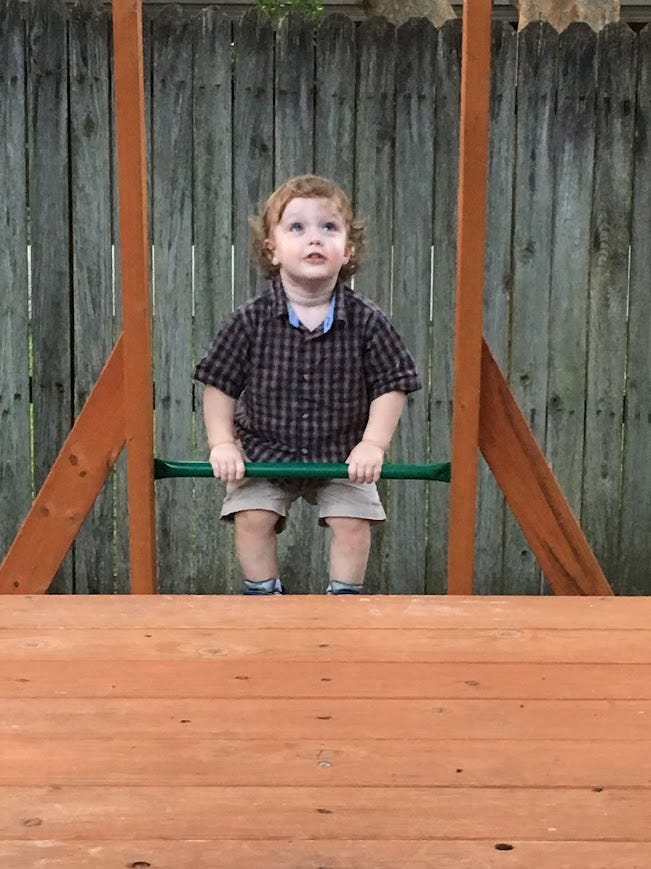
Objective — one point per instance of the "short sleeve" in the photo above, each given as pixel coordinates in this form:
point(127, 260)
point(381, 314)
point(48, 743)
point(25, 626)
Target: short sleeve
point(227, 360)
point(388, 364)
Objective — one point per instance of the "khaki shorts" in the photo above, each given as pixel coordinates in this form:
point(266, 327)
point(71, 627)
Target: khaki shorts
point(333, 498)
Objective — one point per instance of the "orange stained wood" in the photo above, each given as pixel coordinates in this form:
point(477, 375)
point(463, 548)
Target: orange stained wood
point(314, 731)
point(532, 491)
point(471, 233)
point(136, 303)
point(68, 493)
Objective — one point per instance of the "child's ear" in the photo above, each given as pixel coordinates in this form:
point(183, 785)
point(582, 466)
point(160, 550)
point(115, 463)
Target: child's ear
point(270, 251)
point(349, 251)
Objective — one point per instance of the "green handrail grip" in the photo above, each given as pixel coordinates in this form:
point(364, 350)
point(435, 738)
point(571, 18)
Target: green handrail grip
point(440, 471)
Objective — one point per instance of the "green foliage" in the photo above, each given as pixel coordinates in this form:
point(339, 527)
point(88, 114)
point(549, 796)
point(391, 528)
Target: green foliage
point(277, 9)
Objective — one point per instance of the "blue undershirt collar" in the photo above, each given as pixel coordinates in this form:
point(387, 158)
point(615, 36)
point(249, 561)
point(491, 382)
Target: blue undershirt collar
point(327, 323)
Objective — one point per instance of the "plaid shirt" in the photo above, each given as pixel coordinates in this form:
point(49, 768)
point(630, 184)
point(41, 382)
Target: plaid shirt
point(305, 396)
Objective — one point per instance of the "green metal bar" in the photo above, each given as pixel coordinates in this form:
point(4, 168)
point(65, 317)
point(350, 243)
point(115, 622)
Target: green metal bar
point(303, 470)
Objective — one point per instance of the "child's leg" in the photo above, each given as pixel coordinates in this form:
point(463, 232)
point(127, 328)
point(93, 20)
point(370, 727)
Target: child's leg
point(349, 549)
point(255, 544)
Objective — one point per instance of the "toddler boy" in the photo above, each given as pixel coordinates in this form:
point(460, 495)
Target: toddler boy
point(307, 371)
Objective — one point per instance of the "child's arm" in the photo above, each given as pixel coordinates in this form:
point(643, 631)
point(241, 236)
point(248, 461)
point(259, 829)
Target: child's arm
point(219, 414)
point(365, 459)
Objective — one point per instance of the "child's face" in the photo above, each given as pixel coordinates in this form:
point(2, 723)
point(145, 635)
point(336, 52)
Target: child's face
point(310, 243)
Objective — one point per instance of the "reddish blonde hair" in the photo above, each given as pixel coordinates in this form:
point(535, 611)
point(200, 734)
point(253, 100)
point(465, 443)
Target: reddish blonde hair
point(308, 187)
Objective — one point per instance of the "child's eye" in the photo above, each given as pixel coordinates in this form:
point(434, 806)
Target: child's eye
point(330, 226)
point(295, 226)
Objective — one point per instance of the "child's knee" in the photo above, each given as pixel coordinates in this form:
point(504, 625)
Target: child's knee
point(350, 532)
point(256, 522)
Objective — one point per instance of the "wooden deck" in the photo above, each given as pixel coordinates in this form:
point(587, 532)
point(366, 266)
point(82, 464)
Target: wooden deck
point(323, 732)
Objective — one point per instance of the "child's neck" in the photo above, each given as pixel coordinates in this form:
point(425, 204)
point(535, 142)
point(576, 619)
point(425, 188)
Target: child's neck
point(302, 298)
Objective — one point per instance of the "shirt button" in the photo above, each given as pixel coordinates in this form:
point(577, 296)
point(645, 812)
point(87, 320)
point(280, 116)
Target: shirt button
point(304, 452)
point(306, 375)
point(306, 416)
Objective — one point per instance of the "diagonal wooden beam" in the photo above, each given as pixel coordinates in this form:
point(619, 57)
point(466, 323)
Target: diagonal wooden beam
point(76, 478)
point(531, 489)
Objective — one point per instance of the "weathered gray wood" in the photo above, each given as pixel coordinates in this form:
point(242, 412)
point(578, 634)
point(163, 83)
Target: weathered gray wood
point(498, 285)
point(406, 533)
point(302, 548)
point(294, 98)
point(632, 574)
point(172, 233)
point(90, 173)
point(573, 173)
point(609, 262)
point(50, 241)
point(213, 290)
point(334, 141)
point(373, 193)
point(252, 140)
point(532, 235)
point(446, 167)
point(15, 434)
point(374, 153)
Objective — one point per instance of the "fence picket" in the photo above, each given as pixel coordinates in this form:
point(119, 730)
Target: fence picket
point(90, 167)
point(609, 258)
point(15, 445)
point(213, 291)
point(635, 540)
point(531, 264)
point(50, 241)
point(498, 272)
point(172, 234)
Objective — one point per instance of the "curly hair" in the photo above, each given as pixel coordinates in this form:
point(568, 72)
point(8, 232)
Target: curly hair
point(308, 187)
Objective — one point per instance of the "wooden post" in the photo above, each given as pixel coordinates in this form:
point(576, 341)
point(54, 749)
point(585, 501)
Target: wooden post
point(473, 169)
point(134, 241)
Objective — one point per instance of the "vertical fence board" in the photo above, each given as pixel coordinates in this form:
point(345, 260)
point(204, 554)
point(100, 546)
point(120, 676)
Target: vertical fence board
point(536, 85)
point(50, 237)
point(253, 140)
point(15, 434)
point(294, 98)
point(406, 535)
point(213, 196)
point(446, 180)
point(334, 125)
point(334, 150)
point(611, 219)
point(374, 159)
point(90, 167)
point(573, 175)
point(498, 284)
point(302, 546)
point(172, 232)
point(635, 541)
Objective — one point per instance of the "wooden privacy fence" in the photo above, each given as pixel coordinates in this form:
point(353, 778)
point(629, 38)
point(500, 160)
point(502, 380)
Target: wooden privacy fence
point(234, 108)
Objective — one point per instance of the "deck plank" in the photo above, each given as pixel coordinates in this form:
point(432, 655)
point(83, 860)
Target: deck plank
point(335, 762)
point(76, 813)
point(262, 678)
point(297, 611)
point(340, 854)
point(326, 719)
point(325, 644)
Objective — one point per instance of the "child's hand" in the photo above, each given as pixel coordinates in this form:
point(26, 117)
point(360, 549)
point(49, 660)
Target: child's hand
point(365, 462)
point(227, 461)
